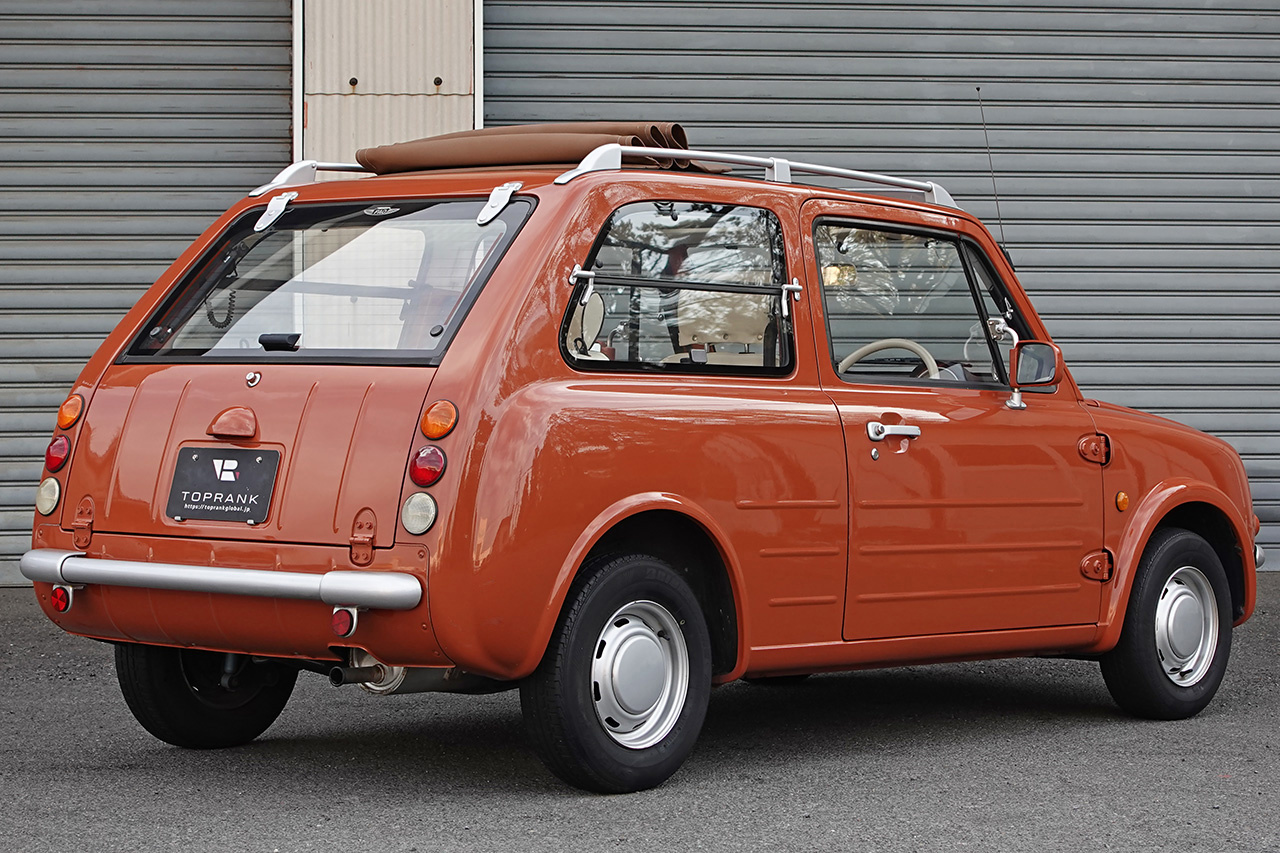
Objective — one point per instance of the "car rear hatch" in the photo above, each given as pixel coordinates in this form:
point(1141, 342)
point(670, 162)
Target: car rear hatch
point(275, 392)
point(290, 453)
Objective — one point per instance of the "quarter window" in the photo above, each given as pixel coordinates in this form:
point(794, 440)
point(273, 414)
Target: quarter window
point(683, 286)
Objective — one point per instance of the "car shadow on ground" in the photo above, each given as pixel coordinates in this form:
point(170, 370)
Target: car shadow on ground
point(414, 744)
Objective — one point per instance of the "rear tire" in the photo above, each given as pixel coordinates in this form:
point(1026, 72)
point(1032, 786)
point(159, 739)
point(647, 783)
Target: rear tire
point(177, 695)
point(1176, 637)
point(620, 696)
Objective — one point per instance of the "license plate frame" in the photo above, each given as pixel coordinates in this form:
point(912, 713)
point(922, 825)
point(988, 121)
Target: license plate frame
point(231, 484)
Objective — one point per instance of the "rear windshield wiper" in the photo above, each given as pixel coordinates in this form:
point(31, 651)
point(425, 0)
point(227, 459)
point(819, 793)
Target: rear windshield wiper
point(280, 341)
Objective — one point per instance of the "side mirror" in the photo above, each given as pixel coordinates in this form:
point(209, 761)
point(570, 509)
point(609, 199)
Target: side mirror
point(1034, 364)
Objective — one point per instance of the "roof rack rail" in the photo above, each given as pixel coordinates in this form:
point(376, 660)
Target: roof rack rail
point(609, 157)
point(303, 172)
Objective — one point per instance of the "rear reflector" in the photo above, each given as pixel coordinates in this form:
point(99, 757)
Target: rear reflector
point(60, 598)
point(343, 621)
point(55, 455)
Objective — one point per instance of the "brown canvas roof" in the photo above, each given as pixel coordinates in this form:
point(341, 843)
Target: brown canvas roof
point(525, 144)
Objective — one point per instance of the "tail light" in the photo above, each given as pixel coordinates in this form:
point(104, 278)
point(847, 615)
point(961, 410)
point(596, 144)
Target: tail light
point(427, 466)
point(55, 455)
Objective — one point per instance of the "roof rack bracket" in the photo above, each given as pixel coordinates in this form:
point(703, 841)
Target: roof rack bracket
point(303, 172)
point(602, 159)
point(779, 171)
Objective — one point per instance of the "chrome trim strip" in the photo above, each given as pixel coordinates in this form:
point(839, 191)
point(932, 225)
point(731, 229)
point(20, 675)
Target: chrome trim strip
point(378, 590)
point(1259, 556)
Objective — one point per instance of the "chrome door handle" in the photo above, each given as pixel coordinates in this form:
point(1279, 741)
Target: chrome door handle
point(877, 431)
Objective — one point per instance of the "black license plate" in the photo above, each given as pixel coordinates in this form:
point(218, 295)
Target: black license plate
point(223, 484)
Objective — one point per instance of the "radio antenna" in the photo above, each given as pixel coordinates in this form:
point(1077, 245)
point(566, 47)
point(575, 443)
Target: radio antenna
point(990, 164)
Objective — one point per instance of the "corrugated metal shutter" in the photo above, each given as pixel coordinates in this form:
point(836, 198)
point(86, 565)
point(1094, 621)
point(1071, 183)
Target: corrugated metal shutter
point(128, 126)
point(1136, 147)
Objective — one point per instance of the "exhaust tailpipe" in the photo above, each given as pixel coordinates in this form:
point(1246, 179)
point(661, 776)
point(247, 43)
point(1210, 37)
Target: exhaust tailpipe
point(341, 675)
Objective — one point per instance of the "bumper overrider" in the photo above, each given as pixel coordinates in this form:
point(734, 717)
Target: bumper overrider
point(373, 590)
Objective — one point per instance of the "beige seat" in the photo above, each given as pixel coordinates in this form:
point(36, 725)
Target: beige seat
point(725, 324)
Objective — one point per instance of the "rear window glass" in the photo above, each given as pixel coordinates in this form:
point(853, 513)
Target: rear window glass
point(335, 282)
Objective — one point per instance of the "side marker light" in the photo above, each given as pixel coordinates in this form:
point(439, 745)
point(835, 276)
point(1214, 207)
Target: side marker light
point(1122, 501)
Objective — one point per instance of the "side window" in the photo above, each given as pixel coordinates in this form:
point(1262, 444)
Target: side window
point(685, 287)
point(900, 308)
point(996, 304)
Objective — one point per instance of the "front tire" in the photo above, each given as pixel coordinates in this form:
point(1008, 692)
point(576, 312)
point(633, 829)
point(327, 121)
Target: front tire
point(620, 696)
point(1176, 637)
point(177, 695)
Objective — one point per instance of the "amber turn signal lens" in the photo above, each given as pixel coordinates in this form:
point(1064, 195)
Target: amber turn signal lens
point(439, 419)
point(55, 455)
point(69, 412)
point(427, 466)
point(1122, 501)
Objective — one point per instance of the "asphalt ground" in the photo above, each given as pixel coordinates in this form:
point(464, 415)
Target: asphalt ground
point(1001, 756)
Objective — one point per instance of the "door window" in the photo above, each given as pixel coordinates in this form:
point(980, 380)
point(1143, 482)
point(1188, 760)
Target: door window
point(900, 308)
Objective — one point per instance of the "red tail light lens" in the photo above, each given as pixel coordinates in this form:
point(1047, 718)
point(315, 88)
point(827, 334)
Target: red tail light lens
point(55, 455)
point(427, 466)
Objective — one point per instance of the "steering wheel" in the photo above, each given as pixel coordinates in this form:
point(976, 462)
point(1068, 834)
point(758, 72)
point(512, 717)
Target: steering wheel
point(930, 365)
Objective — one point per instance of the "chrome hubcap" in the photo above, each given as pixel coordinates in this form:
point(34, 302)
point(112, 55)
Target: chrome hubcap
point(1186, 626)
point(640, 674)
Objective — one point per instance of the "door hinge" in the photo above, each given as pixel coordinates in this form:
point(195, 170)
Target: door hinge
point(1097, 566)
point(82, 525)
point(363, 530)
point(1095, 448)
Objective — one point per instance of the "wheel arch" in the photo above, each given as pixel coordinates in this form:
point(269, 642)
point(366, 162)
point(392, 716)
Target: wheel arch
point(680, 533)
point(1196, 507)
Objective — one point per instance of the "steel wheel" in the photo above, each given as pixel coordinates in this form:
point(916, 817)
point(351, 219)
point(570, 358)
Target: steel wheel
point(1176, 638)
point(1186, 626)
point(640, 674)
point(177, 695)
point(622, 690)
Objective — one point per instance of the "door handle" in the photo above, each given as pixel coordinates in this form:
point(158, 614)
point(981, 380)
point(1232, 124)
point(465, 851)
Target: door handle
point(877, 431)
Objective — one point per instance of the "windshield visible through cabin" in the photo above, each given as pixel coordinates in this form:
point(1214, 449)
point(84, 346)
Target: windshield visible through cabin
point(333, 282)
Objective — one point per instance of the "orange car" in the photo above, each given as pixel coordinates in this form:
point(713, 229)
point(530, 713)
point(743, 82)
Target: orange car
point(612, 433)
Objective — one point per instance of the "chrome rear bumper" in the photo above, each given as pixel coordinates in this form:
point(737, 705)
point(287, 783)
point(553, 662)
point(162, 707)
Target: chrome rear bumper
point(376, 590)
point(1259, 556)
